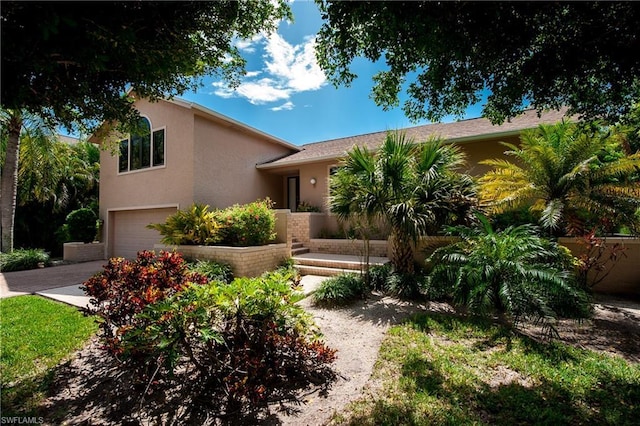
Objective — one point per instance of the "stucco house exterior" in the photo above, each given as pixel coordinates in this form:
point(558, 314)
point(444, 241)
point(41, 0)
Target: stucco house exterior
point(194, 154)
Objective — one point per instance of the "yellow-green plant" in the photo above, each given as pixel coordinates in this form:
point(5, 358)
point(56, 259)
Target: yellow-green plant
point(193, 226)
point(569, 173)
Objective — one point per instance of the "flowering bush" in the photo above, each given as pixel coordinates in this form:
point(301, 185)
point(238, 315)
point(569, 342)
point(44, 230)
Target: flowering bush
point(250, 224)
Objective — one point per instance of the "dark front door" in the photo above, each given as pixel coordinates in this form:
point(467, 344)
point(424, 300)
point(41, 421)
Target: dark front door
point(293, 193)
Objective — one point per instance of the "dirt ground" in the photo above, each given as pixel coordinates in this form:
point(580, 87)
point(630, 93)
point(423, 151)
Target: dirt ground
point(87, 390)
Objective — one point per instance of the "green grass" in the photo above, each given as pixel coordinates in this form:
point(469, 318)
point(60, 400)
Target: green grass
point(438, 370)
point(36, 334)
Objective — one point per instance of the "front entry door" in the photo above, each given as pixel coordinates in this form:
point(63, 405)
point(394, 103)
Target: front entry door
point(293, 193)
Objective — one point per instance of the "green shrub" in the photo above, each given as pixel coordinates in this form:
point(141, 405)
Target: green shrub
point(233, 348)
point(513, 274)
point(339, 290)
point(214, 271)
point(378, 275)
point(251, 224)
point(304, 207)
point(124, 288)
point(23, 259)
point(193, 226)
point(81, 225)
point(407, 285)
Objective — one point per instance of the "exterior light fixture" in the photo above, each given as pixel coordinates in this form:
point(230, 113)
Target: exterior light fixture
point(312, 181)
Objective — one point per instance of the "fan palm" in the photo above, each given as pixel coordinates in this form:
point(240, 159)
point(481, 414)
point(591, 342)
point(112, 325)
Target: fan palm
point(565, 171)
point(413, 187)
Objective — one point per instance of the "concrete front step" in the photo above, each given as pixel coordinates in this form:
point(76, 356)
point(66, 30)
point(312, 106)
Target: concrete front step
point(299, 251)
point(332, 264)
point(305, 270)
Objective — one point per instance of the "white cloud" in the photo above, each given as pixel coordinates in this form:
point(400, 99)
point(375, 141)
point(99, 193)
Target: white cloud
point(248, 45)
point(263, 91)
point(288, 70)
point(285, 106)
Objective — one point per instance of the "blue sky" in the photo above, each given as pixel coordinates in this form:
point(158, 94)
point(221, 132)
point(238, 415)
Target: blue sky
point(286, 94)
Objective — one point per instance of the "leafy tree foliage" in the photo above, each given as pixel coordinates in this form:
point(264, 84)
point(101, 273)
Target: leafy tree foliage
point(585, 55)
point(575, 176)
point(81, 63)
point(413, 187)
point(75, 61)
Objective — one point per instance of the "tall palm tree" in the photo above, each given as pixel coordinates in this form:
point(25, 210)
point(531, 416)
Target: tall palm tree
point(565, 171)
point(413, 187)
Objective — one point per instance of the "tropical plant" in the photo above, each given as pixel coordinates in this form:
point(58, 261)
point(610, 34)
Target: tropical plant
point(22, 259)
point(195, 225)
point(234, 348)
point(250, 224)
point(125, 287)
point(514, 274)
point(413, 187)
point(573, 175)
point(339, 290)
point(53, 178)
point(214, 271)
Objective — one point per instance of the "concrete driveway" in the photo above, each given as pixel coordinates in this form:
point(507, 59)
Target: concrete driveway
point(56, 282)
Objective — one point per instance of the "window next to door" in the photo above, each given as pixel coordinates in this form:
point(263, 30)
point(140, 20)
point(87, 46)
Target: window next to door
point(143, 149)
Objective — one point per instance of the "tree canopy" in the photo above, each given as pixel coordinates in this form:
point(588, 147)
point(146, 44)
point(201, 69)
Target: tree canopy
point(583, 55)
point(75, 61)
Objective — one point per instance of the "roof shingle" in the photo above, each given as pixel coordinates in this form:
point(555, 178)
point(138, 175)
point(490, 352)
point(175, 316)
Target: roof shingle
point(476, 128)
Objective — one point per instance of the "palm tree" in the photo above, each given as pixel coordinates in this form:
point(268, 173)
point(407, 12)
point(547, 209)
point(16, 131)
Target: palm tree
point(11, 126)
point(413, 187)
point(37, 167)
point(514, 274)
point(566, 172)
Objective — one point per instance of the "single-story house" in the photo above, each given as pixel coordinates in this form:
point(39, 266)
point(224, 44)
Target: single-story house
point(194, 154)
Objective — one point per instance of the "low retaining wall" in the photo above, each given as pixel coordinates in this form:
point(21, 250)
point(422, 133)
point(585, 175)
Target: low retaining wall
point(351, 247)
point(81, 252)
point(244, 261)
point(624, 278)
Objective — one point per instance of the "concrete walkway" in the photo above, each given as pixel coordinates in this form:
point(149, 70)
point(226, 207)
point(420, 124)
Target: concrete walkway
point(56, 282)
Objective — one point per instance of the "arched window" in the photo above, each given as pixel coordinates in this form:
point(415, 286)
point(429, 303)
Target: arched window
point(143, 149)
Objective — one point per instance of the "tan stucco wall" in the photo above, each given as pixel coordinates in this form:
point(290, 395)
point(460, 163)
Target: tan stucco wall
point(317, 194)
point(477, 151)
point(225, 164)
point(624, 277)
point(171, 184)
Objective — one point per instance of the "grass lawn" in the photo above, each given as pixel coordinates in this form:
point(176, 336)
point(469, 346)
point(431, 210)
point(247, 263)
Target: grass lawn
point(36, 334)
point(438, 369)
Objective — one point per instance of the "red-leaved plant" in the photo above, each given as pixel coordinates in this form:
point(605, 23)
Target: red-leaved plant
point(124, 288)
point(597, 258)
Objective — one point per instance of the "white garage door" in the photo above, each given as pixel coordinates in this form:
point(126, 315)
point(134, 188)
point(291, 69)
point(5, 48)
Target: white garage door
point(129, 230)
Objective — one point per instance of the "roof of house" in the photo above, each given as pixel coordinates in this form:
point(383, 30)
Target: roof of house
point(459, 131)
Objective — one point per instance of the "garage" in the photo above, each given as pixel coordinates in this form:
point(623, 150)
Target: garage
point(128, 230)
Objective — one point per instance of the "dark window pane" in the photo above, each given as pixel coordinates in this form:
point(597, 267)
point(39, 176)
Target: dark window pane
point(136, 152)
point(145, 151)
point(158, 147)
point(123, 163)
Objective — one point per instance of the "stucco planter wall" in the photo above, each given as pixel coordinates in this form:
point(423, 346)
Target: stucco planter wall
point(624, 278)
point(244, 261)
point(81, 252)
